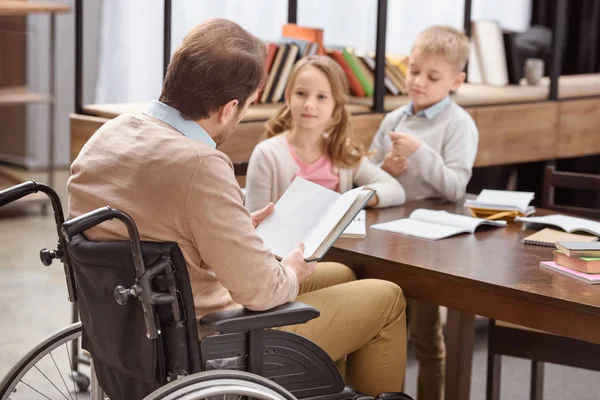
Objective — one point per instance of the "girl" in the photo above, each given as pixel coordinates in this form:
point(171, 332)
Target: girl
point(311, 137)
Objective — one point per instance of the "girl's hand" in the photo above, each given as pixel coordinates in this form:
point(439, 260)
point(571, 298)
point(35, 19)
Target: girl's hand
point(404, 144)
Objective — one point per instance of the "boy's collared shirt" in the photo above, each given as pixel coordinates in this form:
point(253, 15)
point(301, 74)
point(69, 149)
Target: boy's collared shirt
point(431, 112)
point(173, 117)
point(442, 165)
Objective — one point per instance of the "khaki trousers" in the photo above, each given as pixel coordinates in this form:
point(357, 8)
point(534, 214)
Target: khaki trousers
point(426, 334)
point(362, 326)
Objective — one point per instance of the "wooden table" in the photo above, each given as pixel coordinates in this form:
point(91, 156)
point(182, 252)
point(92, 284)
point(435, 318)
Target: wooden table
point(489, 273)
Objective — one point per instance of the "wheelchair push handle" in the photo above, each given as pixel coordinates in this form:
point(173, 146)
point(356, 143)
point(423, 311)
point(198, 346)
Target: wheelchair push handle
point(86, 221)
point(16, 192)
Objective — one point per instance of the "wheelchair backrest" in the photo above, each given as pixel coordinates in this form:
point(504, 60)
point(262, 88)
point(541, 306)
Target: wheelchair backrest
point(127, 363)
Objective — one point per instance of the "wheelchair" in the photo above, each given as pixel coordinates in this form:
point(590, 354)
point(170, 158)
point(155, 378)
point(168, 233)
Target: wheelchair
point(138, 326)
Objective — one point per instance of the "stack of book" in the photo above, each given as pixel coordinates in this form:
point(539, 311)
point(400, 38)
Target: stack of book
point(359, 66)
point(501, 204)
point(580, 260)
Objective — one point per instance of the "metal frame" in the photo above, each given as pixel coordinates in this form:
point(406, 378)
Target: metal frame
point(559, 25)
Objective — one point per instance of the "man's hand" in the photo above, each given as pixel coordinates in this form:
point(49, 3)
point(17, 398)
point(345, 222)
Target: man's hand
point(404, 144)
point(295, 261)
point(394, 164)
point(260, 215)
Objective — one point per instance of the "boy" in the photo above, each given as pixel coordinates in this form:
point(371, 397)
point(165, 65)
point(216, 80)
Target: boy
point(430, 145)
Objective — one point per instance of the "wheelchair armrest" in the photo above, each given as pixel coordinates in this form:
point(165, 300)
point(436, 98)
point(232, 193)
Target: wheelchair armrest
point(243, 320)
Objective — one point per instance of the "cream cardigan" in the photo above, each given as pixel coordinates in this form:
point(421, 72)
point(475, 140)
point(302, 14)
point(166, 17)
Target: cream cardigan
point(272, 167)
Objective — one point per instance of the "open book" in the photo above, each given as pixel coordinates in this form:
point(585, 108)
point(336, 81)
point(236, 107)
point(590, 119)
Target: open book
point(502, 200)
point(566, 223)
point(434, 224)
point(311, 214)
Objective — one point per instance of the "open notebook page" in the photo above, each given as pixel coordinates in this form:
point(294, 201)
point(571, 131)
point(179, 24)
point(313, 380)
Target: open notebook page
point(296, 214)
point(445, 218)
point(566, 223)
point(503, 199)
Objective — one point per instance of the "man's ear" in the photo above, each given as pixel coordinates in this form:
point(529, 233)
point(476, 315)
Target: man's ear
point(459, 79)
point(228, 110)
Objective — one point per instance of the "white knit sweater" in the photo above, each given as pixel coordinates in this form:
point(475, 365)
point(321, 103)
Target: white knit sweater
point(272, 167)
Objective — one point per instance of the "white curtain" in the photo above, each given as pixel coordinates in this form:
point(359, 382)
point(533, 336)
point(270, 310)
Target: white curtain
point(131, 39)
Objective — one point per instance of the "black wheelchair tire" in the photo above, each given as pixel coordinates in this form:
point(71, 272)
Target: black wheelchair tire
point(214, 377)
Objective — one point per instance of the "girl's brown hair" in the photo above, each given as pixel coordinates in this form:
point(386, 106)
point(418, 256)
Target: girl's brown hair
point(341, 147)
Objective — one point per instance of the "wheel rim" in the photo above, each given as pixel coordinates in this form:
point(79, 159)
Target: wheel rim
point(29, 362)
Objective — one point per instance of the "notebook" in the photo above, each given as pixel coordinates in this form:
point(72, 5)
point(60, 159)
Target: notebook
point(311, 214)
point(358, 226)
point(580, 248)
point(589, 265)
point(566, 223)
point(434, 224)
point(502, 200)
point(592, 279)
point(549, 237)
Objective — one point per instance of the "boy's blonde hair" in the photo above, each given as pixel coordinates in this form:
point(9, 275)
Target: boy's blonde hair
point(341, 147)
point(445, 41)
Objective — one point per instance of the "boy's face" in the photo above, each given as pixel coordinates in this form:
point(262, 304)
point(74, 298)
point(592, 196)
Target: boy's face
point(430, 78)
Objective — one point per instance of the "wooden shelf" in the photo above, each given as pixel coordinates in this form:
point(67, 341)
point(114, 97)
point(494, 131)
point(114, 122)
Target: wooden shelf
point(475, 95)
point(20, 95)
point(584, 85)
point(256, 112)
point(21, 8)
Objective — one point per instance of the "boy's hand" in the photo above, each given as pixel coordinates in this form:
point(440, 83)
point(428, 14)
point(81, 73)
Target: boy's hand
point(394, 164)
point(404, 144)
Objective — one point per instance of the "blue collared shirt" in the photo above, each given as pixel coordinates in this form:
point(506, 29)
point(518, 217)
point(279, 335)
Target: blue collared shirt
point(431, 112)
point(173, 117)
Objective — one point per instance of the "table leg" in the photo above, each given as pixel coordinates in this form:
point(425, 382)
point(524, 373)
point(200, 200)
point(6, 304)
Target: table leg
point(460, 339)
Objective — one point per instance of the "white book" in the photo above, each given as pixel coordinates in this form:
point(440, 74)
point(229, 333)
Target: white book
point(311, 214)
point(434, 224)
point(505, 200)
point(566, 223)
point(489, 45)
point(358, 226)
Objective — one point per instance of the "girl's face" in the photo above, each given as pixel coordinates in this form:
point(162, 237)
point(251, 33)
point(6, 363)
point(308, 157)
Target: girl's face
point(311, 100)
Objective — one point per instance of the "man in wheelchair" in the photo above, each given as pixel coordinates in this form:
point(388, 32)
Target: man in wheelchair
point(162, 168)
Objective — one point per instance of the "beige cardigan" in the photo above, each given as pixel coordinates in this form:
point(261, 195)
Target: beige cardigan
point(180, 190)
point(271, 169)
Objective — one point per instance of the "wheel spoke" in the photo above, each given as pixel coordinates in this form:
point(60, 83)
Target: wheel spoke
point(61, 376)
point(52, 383)
point(71, 367)
point(34, 389)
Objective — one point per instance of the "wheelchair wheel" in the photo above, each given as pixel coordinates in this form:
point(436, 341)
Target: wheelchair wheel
point(221, 384)
point(46, 371)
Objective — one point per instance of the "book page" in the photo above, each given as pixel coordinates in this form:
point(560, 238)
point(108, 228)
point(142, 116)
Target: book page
point(329, 221)
point(301, 208)
point(445, 218)
point(503, 200)
point(358, 226)
point(420, 229)
point(566, 223)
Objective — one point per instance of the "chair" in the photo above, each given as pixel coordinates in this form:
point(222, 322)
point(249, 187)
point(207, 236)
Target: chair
point(138, 323)
point(538, 346)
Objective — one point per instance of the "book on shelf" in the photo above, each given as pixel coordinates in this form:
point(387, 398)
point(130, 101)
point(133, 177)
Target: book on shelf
point(495, 204)
point(354, 85)
point(435, 224)
point(549, 237)
point(489, 46)
point(356, 69)
point(564, 222)
point(286, 69)
point(389, 84)
point(358, 226)
point(271, 52)
point(314, 35)
point(589, 265)
point(592, 279)
point(311, 214)
point(589, 248)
